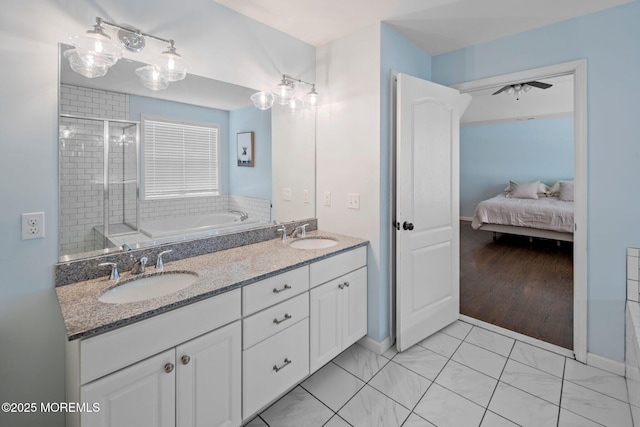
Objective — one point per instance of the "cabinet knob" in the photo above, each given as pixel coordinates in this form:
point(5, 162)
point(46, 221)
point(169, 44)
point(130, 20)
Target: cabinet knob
point(168, 367)
point(185, 359)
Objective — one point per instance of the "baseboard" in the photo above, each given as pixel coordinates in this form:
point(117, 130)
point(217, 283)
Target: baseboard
point(466, 218)
point(375, 346)
point(605, 364)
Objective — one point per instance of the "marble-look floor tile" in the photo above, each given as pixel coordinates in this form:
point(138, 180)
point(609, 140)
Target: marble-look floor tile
point(490, 341)
point(415, 421)
point(392, 351)
point(361, 362)
point(457, 329)
point(336, 421)
point(399, 383)
point(442, 344)
point(256, 422)
point(523, 408)
point(595, 406)
point(480, 359)
point(297, 408)
point(333, 386)
point(538, 358)
point(421, 361)
point(494, 420)
point(533, 381)
point(444, 408)
point(569, 419)
point(596, 379)
point(467, 382)
point(370, 408)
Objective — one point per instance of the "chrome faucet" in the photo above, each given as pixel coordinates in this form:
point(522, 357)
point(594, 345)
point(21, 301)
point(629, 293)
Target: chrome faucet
point(127, 247)
point(283, 230)
point(159, 262)
point(243, 215)
point(138, 267)
point(114, 270)
point(301, 229)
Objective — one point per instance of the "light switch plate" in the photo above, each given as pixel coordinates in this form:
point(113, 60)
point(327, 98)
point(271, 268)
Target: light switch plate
point(286, 194)
point(326, 198)
point(305, 196)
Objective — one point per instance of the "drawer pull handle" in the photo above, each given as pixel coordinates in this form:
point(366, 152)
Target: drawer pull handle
point(185, 359)
point(287, 316)
point(343, 285)
point(168, 368)
point(277, 291)
point(278, 368)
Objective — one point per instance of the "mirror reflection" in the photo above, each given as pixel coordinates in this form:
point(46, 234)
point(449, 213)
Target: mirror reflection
point(140, 167)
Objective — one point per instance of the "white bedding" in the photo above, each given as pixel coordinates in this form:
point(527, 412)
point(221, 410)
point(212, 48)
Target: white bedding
point(546, 213)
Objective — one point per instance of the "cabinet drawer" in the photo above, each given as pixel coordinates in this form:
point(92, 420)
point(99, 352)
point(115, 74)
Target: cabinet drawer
point(266, 373)
point(330, 268)
point(272, 320)
point(273, 290)
point(114, 350)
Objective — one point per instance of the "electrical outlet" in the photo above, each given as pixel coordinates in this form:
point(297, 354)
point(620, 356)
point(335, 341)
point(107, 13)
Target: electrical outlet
point(32, 225)
point(286, 194)
point(327, 198)
point(353, 201)
point(305, 196)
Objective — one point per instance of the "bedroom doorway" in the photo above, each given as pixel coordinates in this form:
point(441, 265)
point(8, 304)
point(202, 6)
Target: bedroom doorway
point(570, 268)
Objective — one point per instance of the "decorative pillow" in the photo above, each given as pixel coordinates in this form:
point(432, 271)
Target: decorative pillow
point(524, 190)
point(543, 189)
point(566, 191)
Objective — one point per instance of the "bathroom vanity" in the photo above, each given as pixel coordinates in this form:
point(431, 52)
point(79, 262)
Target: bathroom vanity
point(259, 319)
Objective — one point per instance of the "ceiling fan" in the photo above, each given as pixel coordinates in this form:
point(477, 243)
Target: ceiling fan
point(519, 88)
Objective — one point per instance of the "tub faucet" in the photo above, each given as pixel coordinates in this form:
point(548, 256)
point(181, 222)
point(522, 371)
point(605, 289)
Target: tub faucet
point(243, 215)
point(138, 267)
point(301, 229)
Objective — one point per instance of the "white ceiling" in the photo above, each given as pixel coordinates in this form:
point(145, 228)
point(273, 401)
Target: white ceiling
point(436, 26)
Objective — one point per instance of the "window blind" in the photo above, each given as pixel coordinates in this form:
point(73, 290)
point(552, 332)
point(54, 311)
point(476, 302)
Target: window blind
point(179, 159)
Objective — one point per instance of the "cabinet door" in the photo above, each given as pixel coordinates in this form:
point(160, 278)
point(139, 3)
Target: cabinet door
point(325, 318)
point(142, 395)
point(209, 378)
point(355, 307)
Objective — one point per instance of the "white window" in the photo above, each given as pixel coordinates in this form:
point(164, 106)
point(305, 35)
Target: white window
point(179, 158)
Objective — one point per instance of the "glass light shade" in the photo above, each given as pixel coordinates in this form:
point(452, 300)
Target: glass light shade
point(97, 48)
point(510, 91)
point(172, 65)
point(87, 69)
point(262, 100)
point(152, 77)
point(283, 93)
point(526, 88)
point(312, 99)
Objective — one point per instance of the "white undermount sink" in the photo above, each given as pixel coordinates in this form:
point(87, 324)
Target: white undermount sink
point(148, 287)
point(313, 243)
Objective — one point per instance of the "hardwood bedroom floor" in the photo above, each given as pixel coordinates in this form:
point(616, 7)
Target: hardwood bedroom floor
point(523, 287)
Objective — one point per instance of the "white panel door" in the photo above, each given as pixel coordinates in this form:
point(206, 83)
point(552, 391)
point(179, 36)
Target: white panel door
point(142, 395)
point(325, 318)
point(209, 379)
point(427, 208)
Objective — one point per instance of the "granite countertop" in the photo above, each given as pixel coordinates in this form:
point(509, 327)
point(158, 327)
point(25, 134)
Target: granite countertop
point(84, 316)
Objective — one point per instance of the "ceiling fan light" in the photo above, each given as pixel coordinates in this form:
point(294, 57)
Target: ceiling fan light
point(152, 77)
point(262, 100)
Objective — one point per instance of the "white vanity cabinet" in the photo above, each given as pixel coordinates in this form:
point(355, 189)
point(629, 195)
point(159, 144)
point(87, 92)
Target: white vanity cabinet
point(338, 307)
point(194, 381)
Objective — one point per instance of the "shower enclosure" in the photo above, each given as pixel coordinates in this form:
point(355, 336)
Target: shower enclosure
point(98, 182)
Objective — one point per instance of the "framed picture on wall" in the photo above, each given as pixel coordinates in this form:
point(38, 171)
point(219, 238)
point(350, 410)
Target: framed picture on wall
point(245, 149)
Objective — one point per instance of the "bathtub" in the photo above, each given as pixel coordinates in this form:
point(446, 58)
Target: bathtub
point(198, 224)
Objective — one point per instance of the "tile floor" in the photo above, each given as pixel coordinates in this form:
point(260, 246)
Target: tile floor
point(462, 376)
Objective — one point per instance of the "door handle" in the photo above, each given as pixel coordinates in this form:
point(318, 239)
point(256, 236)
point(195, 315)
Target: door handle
point(407, 226)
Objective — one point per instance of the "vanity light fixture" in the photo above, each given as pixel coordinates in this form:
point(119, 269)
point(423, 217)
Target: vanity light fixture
point(95, 53)
point(285, 94)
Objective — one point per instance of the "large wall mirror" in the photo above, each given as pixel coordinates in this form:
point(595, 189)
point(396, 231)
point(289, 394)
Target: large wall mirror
point(141, 167)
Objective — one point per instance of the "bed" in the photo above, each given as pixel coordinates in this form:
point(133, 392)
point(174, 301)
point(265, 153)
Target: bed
point(547, 216)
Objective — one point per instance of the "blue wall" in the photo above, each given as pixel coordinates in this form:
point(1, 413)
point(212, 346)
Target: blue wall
point(158, 107)
point(608, 40)
point(255, 181)
point(400, 55)
point(492, 154)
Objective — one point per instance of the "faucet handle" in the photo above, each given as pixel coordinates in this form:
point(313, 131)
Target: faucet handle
point(114, 270)
point(159, 261)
